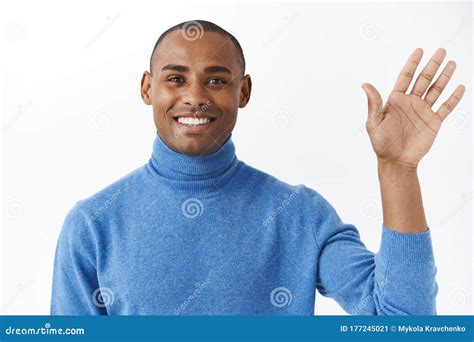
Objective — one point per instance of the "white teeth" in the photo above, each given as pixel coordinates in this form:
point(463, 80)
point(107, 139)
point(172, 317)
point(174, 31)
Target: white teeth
point(193, 121)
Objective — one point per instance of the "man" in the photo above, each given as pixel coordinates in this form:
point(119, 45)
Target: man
point(195, 231)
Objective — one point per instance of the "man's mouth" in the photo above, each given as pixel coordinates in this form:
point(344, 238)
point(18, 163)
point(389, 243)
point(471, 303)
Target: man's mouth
point(190, 122)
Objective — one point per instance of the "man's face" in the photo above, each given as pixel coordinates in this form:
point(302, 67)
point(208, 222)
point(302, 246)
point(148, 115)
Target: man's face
point(195, 89)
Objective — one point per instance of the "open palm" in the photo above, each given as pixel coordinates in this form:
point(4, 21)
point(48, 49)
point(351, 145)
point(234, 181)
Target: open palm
point(404, 128)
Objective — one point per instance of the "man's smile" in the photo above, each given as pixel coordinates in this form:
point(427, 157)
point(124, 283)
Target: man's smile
point(194, 123)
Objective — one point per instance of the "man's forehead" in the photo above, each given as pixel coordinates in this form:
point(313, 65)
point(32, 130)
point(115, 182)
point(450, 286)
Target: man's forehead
point(211, 49)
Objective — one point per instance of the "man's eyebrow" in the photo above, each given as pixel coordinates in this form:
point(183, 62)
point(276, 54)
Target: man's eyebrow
point(175, 67)
point(207, 70)
point(217, 68)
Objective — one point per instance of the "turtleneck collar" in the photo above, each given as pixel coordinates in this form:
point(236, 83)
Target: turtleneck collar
point(181, 167)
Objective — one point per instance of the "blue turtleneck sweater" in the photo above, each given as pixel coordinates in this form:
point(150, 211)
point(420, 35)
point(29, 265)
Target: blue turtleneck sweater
point(211, 235)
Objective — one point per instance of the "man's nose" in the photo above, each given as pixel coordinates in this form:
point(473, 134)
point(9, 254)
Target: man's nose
point(195, 95)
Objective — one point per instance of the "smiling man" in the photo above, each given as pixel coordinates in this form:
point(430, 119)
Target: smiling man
point(195, 231)
point(196, 87)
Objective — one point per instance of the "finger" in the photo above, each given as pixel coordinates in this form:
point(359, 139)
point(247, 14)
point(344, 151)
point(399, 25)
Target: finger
point(451, 103)
point(437, 88)
point(406, 75)
point(375, 104)
point(426, 76)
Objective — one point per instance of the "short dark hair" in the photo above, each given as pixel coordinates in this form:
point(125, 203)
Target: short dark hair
point(195, 28)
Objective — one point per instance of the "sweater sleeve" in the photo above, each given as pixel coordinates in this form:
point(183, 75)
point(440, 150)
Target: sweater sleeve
point(75, 282)
point(398, 280)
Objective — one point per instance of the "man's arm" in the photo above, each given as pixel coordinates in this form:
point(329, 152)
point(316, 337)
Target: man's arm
point(402, 131)
point(75, 289)
point(400, 278)
point(397, 280)
point(401, 198)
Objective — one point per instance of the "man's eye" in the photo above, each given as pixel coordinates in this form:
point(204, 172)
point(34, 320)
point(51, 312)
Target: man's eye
point(175, 79)
point(216, 81)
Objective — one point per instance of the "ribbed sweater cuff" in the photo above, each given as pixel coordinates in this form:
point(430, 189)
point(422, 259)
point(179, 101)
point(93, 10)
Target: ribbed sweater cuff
point(405, 248)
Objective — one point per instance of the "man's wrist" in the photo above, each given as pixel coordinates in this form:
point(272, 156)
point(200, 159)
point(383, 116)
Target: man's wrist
point(392, 168)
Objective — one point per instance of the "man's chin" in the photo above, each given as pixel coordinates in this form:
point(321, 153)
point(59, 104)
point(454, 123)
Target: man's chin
point(195, 144)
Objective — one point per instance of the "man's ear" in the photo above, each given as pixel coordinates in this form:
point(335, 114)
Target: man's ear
point(245, 91)
point(145, 88)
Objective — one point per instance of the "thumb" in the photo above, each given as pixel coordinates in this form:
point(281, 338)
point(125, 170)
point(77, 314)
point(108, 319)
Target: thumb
point(375, 103)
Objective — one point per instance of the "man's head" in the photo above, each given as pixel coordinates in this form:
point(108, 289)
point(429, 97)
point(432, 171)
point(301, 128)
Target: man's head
point(195, 85)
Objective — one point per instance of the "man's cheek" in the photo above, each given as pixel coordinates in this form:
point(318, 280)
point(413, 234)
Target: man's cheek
point(221, 97)
point(160, 117)
point(163, 98)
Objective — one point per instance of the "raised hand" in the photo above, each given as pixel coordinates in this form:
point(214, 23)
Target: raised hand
point(404, 128)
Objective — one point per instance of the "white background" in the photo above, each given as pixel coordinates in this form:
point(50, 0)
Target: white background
point(73, 120)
